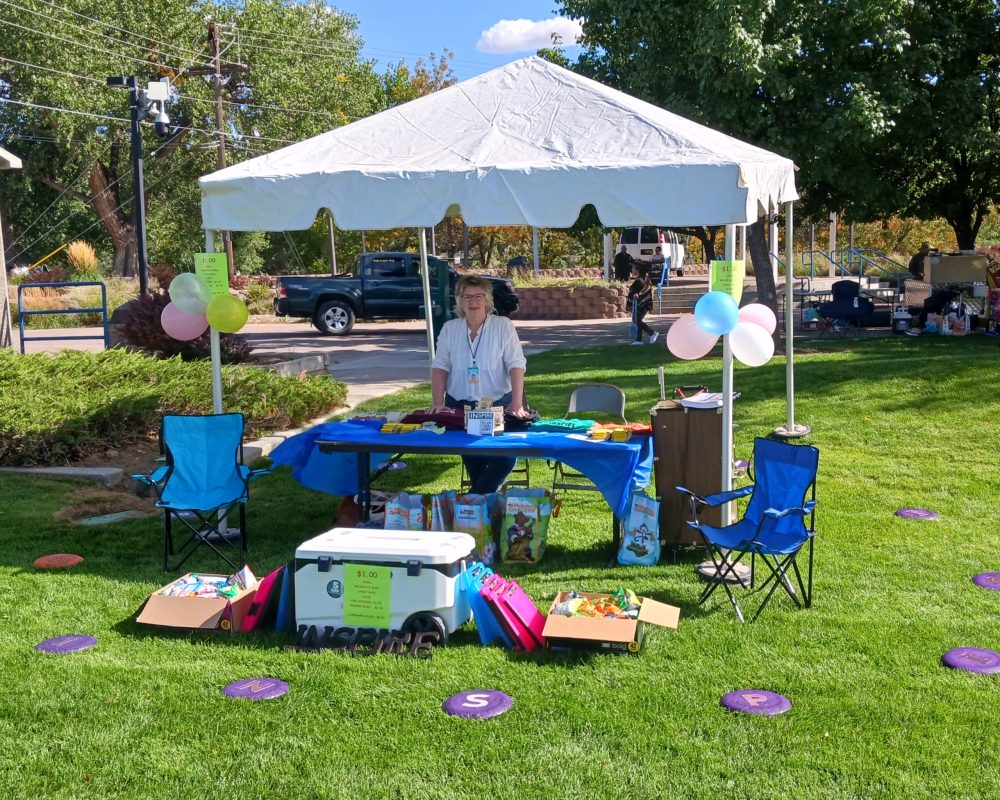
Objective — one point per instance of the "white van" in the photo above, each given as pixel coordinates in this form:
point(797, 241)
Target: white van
point(641, 242)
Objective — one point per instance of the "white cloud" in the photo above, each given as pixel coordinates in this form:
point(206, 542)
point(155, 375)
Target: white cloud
point(519, 35)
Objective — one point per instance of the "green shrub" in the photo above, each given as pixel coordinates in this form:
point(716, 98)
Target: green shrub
point(93, 401)
point(141, 328)
point(260, 297)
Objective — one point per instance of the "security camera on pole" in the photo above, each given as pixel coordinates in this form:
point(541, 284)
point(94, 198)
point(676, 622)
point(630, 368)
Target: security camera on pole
point(142, 102)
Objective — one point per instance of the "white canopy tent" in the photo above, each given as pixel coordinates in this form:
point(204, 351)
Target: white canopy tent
point(530, 143)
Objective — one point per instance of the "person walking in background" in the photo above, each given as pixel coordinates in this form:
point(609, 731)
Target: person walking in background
point(623, 264)
point(640, 301)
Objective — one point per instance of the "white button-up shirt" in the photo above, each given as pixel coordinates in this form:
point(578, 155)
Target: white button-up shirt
point(495, 352)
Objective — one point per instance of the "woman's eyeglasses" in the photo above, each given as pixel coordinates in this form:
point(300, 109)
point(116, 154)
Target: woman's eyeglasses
point(476, 297)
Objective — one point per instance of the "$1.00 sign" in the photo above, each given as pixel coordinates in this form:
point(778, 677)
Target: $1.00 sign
point(367, 599)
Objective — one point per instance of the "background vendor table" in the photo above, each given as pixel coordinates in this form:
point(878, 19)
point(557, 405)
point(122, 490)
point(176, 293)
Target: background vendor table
point(337, 457)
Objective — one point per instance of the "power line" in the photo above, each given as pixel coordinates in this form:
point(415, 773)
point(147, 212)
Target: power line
point(98, 222)
point(158, 65)
point(63, 110)
point(87, 31)
point(180, 96)
point(121, 30)
point(38, 219)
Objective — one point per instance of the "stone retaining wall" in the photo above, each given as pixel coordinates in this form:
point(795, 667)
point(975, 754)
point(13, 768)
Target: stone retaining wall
point(563, 302)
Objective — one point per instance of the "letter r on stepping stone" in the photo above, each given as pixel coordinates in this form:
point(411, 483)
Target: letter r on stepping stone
point(754, 699)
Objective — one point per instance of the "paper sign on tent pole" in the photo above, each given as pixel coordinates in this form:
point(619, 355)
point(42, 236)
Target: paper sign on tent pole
point(727, 276)
point(213, 268)
point(209, 264)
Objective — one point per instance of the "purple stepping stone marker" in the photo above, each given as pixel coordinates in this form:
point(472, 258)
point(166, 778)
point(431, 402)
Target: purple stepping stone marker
point(917, 513)
point(988, 580)
point(973, 659)
point(477, 704)
point(71, 643)
point(256, 689)
point(755, 701)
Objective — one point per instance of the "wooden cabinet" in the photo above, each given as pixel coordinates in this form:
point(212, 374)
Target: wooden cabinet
point(687, 451)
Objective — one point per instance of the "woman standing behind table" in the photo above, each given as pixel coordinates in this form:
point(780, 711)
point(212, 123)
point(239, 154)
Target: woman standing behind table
point(479, 355)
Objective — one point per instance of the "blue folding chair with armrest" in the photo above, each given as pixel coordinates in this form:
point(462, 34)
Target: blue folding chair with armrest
point(773, 527)
point(203, 480)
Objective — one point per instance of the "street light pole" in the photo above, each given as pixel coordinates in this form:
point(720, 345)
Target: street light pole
point(138, 111)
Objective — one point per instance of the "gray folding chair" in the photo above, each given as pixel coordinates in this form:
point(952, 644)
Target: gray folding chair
point(590, 398)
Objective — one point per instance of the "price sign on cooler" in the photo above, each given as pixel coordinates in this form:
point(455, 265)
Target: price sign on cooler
point(367, 600)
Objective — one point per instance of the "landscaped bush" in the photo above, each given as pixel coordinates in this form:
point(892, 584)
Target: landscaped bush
point(259, 297)
point(83, 263)
point(55, 409)
point(141, 328)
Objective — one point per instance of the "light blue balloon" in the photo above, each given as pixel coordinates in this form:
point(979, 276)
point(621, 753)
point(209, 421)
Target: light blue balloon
point(716, 313)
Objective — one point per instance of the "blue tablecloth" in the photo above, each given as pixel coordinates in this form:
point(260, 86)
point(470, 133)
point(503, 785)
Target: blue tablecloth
point(616, 468)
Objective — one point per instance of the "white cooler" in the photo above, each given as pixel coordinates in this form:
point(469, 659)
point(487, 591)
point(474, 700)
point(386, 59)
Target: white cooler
point(424, 569)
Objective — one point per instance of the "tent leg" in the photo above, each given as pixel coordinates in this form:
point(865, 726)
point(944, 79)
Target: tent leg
point(426, 281)
point(790, 430)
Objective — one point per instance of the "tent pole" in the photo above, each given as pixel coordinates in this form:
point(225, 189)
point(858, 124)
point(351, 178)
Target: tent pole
point(534, 247)
point(426, 281)
point(727, 395)
point(215, 348)
point(790, 430)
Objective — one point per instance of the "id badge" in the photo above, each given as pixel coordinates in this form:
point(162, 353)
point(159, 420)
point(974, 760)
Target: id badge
point(473, 376)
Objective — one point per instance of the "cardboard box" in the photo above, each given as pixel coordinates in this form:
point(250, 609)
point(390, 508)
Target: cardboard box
point(604, 634)
point(197, 613)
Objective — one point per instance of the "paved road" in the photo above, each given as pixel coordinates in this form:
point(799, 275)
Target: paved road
point(379, 358)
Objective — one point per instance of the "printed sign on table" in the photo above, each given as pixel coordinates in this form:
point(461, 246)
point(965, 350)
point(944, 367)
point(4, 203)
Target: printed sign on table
point(367, 596)
point(727, 276)
point(213, 268)
point(480, 423)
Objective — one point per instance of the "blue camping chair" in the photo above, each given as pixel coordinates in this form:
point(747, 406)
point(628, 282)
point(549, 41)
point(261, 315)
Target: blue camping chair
point(203, 480)
point(773, 526)
point(847, 307)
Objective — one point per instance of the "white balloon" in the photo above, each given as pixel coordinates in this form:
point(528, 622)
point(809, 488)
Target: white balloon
point(751, 344)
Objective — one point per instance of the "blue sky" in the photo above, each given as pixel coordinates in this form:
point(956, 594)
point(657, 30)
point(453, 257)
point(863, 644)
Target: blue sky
point(398, 29)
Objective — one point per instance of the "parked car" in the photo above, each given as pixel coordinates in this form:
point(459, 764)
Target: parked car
point(641, 242)
point(379, 286)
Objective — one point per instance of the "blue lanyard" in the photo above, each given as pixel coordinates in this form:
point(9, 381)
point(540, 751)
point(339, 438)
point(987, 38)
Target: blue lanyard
point(479, 339)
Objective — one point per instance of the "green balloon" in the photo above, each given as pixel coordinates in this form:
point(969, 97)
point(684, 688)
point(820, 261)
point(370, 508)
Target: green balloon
point(227, 313)
point(190, 293)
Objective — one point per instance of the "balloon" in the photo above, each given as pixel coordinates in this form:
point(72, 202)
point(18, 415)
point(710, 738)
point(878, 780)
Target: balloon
point(751, 344)
point(716, 313)
point(227, 313)
point(190, 293)
point(688, 341)
point(178, 325)
point(759, 314)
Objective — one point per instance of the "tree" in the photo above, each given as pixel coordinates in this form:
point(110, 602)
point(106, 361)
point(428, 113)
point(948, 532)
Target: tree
point(886, 107)
point(306, 77)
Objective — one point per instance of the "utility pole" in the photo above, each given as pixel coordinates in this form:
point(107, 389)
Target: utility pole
point(216, 71)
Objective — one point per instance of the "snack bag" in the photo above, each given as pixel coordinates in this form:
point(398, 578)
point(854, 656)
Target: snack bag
point(641, 538)
point(405, 512)
point(520, 534)
point(543, 508)
point(472, 516)
point(443, 511)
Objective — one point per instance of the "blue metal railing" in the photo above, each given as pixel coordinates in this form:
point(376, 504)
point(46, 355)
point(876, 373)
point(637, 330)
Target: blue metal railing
point(808, 258)
point(22, 312)
point(663, 284)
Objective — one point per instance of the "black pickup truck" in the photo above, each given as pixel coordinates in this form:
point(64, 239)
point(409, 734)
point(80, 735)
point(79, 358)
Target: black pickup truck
point(380, 286)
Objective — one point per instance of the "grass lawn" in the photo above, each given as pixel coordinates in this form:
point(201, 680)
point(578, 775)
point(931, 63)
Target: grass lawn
point(899, 422)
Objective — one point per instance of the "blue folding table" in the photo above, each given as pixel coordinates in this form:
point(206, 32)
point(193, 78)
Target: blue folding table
point(338, 457)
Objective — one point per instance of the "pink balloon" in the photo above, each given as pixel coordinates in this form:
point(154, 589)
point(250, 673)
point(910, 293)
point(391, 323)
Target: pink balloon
point(178, 325)
point(686, 339)
point(759, 314)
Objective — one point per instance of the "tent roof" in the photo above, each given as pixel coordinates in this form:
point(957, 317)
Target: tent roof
point(530, 143)
point(9, 160)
